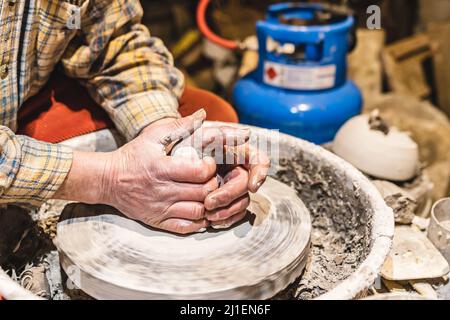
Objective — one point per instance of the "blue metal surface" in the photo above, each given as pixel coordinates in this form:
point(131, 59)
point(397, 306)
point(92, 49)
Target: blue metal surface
point(314, 98)
point(314, 116)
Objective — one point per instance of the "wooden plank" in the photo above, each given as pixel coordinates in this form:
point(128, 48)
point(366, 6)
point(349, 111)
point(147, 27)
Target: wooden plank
point(364, 63)
point(405, 47)
point(403, 62)
point(440, 35)
point(433, 11)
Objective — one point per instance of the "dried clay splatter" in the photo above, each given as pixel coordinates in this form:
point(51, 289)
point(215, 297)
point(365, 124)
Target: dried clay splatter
point(340, 227)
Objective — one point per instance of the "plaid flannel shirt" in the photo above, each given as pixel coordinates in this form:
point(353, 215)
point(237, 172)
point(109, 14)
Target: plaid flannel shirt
point(128, 72)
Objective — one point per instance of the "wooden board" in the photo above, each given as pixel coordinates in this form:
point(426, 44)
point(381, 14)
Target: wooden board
point(111, 257)
point(403, 61)
point(440, 35)
point(364, 63)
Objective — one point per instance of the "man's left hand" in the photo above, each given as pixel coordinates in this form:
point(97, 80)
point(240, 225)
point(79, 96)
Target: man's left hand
point(243, 168)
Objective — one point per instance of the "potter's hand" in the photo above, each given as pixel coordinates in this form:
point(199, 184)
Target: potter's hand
point(247, 172)
point(159, 190)
point(242, 166)
point(143, 182)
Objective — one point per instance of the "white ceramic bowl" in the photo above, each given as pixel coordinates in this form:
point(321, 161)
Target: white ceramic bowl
point(393, 156)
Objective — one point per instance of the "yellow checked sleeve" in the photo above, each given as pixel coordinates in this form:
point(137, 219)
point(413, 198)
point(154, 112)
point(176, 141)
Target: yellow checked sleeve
point(128, 72)
point(30, 171)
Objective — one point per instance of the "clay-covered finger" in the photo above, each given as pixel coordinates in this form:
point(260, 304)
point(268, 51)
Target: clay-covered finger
point(254, 160)
point(182, 128)
point(189, 170)
point(225, 224)
point(189, 210)
point(178, 191)
point(258, 175)
point(218, 138)
point(182, 226)
point(235, 186)
point(237, 206)
point(226, 135)
point(210, 141)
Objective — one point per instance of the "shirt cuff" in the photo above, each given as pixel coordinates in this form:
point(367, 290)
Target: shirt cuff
point(144, 109)
point(42, 170)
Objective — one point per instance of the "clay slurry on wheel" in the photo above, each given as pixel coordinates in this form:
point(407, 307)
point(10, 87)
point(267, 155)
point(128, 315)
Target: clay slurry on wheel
point(120, 258)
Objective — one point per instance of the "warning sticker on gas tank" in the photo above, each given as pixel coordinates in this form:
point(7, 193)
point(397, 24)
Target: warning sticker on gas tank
point(299, 77)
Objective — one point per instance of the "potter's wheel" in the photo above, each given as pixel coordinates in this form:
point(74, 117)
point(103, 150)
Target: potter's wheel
point(109, 256)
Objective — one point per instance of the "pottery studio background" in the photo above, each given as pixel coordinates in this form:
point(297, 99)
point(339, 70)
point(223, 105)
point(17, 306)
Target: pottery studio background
point(361, 88)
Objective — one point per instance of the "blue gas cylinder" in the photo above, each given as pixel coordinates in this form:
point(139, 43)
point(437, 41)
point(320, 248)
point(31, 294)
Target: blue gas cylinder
point(300, 85)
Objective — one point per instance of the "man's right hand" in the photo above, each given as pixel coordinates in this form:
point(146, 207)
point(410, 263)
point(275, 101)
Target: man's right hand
point(162, 191)
point(143, 182)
